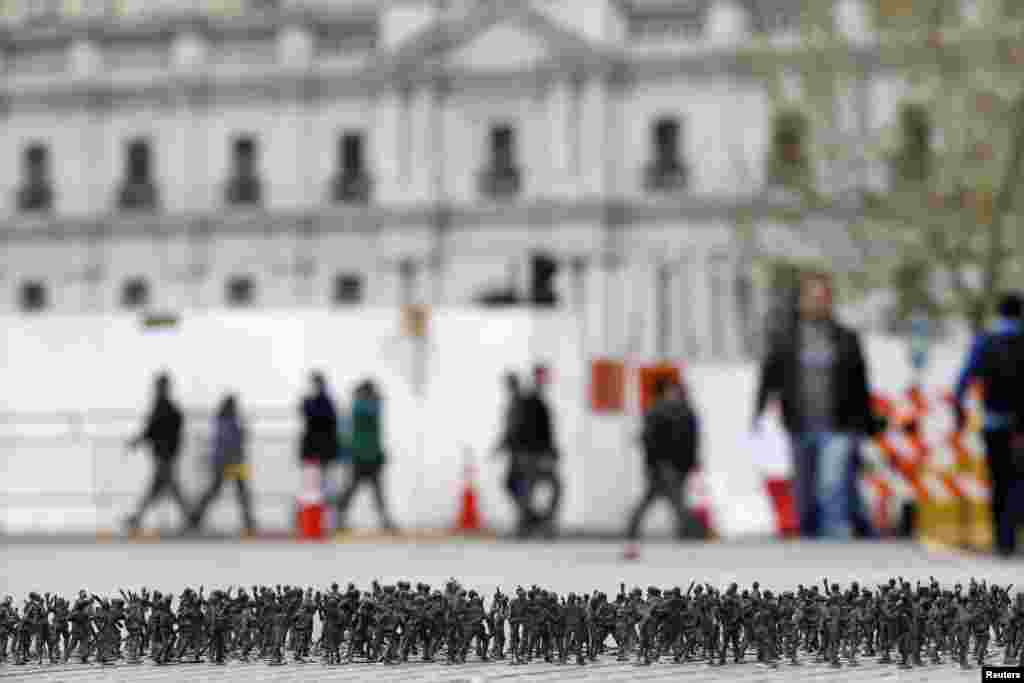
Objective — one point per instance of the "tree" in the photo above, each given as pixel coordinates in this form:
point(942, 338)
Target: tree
point(941, 186)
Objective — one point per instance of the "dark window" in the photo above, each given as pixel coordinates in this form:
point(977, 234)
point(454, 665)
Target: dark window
point(32, 297)
point(36, 191)
point(137, 190)
point(682, 20)
point(351, 182)
point(135, 293)
point(502, 177)
point(348, 288)
point(788, 164)
point(407, 271)
point(502, 148)
point(773, 16)
point(913, 161)
point(241, 290)
point(544, 268)
point(666, 170)
point(244, 186)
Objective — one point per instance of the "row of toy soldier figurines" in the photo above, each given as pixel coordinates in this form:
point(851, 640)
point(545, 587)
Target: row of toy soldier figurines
point(395, 622)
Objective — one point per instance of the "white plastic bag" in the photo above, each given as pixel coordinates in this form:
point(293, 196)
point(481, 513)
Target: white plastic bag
point(770, 447)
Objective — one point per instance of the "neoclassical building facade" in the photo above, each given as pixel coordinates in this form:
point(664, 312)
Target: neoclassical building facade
point(174, 154)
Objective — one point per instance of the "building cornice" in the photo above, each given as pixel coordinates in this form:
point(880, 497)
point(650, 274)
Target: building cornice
point(617, 213)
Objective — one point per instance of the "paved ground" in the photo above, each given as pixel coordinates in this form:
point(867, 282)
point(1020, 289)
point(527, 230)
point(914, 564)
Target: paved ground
point(103, 568)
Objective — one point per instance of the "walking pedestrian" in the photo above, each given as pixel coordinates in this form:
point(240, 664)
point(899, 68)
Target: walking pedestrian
point(815, 368)
point(229, 463)
point(671, 439)
point(162, 433)
point(540, 456)
point(368, 455)
point(511, 446)
point(319, 445)
point(997, 360)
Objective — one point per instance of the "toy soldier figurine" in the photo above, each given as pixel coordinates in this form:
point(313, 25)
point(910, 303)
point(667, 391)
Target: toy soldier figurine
point(576, 631)
point(624, 620)
point(37, 626)
point(833, 629)
point(388, 624)
point(135, 623)
point(220, 626)
point(6, 617)
point(362, 629)
point(302, 627)
point(982, 627)
point(602, 624)
point(1014, 634)
point(476, 627)
point(516, 620)
point(332, 615)
point(729, 617)
point(787, 627)
point(165, 638)
point(496, 619)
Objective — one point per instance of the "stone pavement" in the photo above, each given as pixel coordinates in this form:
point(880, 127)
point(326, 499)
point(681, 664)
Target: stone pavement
point(563, 566)
point(476, 672)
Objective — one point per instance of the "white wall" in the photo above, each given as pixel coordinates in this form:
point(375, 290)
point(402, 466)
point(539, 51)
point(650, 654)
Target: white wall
point(62, 366)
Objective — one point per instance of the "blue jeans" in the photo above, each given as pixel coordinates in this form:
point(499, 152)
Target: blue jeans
point(825, 484)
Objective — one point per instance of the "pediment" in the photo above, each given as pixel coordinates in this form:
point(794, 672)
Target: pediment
point(505, 35)
point(508, 45)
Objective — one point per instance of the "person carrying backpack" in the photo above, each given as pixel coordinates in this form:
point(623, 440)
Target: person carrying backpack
point(997, 361)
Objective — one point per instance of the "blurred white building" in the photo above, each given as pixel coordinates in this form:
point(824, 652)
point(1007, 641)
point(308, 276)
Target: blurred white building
point(172, 154)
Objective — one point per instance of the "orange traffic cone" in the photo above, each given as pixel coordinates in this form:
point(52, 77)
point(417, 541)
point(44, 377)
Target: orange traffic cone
point(311, 515)
point(469, 508)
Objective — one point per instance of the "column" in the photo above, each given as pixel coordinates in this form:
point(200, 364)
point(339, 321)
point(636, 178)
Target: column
point(702, 303)
point(663, 311)
point(560, 130)
point(388, 147)
point(647, 298)
point(594, 135)
point(424, 150)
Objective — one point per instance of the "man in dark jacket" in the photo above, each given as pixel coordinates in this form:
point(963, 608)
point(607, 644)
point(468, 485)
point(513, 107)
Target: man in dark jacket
point(997, 361)
point(511, 446)
point(163, 434)
point(816, 370)
point(320, 442)
point(671, 439)
point(540, 453)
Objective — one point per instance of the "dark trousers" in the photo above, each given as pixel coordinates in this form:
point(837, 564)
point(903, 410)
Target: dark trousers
point(369, 474)
point(663, 482)
point(527, 471)
point(1004, 476)
point(244, 499)
point(163, 481)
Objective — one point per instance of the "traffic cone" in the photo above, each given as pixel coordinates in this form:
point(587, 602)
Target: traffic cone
point(781, 493)
point(311, 515)
point(469, 521)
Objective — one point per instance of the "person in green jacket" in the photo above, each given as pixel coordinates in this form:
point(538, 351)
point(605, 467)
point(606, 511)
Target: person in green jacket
point(367, 452)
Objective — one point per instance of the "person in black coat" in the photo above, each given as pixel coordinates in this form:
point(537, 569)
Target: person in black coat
point(671, 439)
point(320, 442)
point(539, 455)
point(163, 433)
point(815, 369)
point(511, 446)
